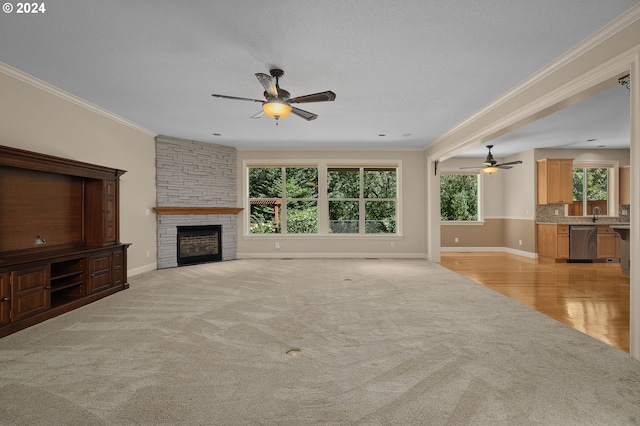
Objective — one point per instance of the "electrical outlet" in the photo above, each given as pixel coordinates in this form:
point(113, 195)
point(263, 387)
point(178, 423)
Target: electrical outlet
point(277, 245)
point(520, 242)
point(557, 212)
point(393, 244)
point(148, 253)
point(456, 240)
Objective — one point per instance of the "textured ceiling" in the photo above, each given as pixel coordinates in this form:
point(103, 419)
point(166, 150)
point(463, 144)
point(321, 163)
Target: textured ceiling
point(409, 70)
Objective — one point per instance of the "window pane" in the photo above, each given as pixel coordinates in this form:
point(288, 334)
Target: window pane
point(343, 217)
point(458, 197)
point(380, 217)
point(597, 189)
point(265, 182)
point(302, 217)
point(265, 218)
point(578, 184)
point(379, 183)
point(302, 182)
point(343, 183)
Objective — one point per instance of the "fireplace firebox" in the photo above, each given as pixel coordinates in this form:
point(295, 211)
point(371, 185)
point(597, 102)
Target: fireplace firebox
point(199, 244)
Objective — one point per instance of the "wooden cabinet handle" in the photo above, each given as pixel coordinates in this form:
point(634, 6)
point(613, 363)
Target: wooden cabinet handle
point(5, 299)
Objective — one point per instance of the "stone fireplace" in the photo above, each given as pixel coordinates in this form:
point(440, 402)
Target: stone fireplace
point(196, 186)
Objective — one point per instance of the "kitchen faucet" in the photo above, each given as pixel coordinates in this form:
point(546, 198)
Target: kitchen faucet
point(596, 211)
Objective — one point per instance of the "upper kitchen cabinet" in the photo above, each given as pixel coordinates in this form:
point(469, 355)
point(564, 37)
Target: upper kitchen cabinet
point(555, 181)
point(625, 185)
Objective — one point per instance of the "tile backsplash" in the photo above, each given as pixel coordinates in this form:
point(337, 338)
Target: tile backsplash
point(546, 213)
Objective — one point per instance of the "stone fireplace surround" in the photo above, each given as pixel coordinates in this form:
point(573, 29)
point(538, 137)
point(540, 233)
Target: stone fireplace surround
point(194, 177)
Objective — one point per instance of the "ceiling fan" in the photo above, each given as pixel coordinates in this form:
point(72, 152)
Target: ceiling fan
point(278, 101)
point(491, 165)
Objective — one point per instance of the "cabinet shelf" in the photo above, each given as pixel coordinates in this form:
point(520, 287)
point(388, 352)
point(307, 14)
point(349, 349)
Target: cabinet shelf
point(62, 276)
point(62, 286)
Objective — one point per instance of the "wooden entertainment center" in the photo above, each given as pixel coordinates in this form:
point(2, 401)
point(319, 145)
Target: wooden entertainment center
point(59, 236)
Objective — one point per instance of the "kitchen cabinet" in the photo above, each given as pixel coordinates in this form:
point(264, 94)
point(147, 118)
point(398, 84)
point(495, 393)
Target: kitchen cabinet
point(555, 181)
point(625, 185)
point(553, 241)
point(608, 243)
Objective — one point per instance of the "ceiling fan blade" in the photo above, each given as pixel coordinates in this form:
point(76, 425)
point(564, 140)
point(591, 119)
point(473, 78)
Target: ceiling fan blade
point(304, 114)
point(500, 166)
point(510, 163)
point(236, 98)
point(315, 97)
point(258, 115)
point(268, 84)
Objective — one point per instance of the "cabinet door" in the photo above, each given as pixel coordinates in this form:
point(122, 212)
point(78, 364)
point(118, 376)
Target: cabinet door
point(563, 246)
point(101, 212)
point(547, 241)
point(560, 181)
point(5, 299)
point(118, 264)
point(110, 225)
point(608, 246)
point(99, 272)
point(30, 293)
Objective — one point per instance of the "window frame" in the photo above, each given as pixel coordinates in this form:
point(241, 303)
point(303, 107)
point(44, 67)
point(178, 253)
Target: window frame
point(480, 193)
point(323, 165)
point(613, 182)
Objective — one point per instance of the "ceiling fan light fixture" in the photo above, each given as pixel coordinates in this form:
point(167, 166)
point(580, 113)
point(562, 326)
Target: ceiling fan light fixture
point(276, 109)
point(489, 170)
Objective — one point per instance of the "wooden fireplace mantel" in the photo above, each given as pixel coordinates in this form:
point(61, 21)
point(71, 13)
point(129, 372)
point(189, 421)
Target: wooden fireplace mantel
point(197, 210)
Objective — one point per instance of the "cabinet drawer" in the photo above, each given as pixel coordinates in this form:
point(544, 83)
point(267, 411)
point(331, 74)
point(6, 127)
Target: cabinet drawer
point(563, 229)
point(605, 229)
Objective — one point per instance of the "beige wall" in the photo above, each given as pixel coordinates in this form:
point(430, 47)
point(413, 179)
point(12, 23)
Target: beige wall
point(410, 244)
point(35, 120)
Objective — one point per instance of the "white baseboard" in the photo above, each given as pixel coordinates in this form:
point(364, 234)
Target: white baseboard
point(489, 249)
point(146, 268)
point(331, 255)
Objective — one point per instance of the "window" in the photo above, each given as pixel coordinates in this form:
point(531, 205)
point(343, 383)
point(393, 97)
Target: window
point(283, 198)
point(459, 196)
point(590, 191)
point(322, 199)
point(362, 200)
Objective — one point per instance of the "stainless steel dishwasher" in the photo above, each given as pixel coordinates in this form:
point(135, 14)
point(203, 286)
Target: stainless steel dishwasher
point(583, 243)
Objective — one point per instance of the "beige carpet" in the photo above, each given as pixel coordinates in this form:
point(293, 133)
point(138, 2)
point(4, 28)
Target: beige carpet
point(374, 342)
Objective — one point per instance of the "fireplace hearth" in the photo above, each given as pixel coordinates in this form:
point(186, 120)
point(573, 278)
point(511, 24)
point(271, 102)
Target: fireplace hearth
point(199, 244)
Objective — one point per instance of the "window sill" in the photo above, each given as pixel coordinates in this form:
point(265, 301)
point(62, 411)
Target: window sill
point(323, 237)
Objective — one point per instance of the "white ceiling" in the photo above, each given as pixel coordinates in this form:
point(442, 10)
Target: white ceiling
point(406, 69)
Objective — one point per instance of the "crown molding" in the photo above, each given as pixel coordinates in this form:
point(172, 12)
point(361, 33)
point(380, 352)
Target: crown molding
point(612, 28)
point(46, 87)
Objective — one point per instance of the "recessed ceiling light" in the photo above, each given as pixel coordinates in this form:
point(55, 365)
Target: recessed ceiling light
point(590, 140)
point(382, 134)
point(601, 146)
point(406, 135)
point(216, 134)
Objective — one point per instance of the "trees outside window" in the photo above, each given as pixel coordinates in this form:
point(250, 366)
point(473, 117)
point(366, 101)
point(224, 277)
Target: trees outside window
point(459, 196)
point(355, 200)
point(590, 190)
point(283, 196)
point(362, 199)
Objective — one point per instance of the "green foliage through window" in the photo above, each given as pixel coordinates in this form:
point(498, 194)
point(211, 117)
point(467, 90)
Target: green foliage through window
point(590, 190)
point(358, 200)
point(295, 188)
point(459, 196)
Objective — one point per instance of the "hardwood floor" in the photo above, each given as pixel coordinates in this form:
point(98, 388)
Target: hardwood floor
point(590, 297)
